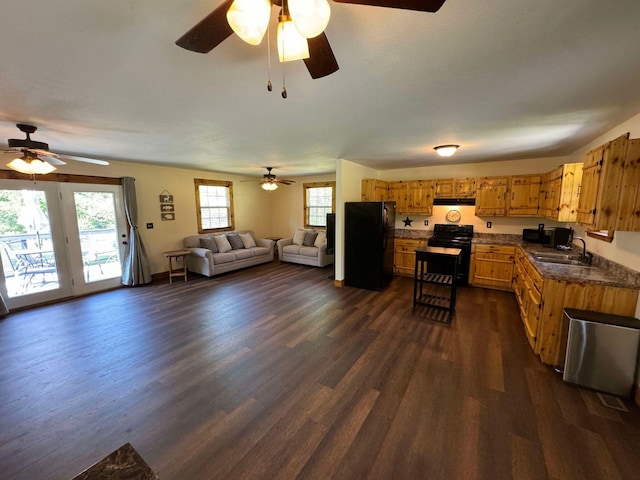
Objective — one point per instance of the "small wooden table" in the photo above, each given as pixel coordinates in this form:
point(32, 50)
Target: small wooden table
point(275, 249)
point(177, 256)
point(444, 277)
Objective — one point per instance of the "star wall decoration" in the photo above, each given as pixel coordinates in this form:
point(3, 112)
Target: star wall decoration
point(407, 221)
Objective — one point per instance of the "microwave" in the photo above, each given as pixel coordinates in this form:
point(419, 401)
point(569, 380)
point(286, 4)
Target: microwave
point(535, 235)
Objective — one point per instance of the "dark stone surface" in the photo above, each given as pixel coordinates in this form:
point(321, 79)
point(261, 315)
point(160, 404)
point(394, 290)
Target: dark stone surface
point(123, 464)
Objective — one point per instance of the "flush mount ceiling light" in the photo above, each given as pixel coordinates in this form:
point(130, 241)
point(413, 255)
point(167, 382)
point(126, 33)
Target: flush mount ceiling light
point(446, 150)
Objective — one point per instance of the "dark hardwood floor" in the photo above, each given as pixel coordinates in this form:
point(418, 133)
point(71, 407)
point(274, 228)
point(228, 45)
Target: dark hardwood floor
point(273, 373)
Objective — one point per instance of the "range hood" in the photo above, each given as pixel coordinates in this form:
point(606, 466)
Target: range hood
point(454, 201)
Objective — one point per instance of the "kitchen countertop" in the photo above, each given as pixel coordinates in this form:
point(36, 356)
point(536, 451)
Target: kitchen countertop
point(601, 272)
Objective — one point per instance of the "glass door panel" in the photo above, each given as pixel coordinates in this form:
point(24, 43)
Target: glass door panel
point(95, 224)
point(31, 251)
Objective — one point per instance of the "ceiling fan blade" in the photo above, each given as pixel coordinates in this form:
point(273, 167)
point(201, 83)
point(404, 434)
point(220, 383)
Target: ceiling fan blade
point(77, 158)
point(321, 62)
point(417, 5)
point(285, 181)
point(52, 160)
point(209, 32)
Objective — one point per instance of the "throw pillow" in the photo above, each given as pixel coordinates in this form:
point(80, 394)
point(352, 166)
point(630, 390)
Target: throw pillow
point(320, 239)
point(247, 240)
point(223, 243)
point(235, 241)
point(309, 239)
point(209, 243)
point(298, 237)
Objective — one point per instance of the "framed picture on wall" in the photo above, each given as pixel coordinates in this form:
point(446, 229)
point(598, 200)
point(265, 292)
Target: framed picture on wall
point(168, 216)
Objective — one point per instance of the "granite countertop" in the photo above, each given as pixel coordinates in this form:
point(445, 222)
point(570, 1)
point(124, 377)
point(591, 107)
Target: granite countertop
point(601, 271)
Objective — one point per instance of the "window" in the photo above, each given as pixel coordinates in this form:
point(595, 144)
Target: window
point(319, 199)
point(214, 201)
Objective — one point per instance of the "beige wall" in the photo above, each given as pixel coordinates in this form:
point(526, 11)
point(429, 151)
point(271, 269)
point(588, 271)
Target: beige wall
point(252, 205)
point(287, 205)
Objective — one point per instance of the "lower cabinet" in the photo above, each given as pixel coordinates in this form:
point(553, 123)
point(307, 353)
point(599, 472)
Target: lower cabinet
point(542, 300)
point(528, 287)
point(404, 258)
point(492, 266)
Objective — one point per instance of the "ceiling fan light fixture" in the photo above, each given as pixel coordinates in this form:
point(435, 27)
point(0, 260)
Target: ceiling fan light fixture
point(30, 166)
point(269, 186)
point(249, 19)
point(446, 150)
point(310, 17)
point(291, 45)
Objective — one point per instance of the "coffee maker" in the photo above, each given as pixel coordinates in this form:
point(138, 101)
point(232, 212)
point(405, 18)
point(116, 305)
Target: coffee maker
point(561, 238)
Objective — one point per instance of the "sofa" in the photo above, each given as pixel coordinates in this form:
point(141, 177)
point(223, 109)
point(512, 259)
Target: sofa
point(212, 254)
point(306, 247)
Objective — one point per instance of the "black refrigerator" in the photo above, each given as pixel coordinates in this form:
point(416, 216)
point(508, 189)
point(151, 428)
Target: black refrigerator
point(369, 232)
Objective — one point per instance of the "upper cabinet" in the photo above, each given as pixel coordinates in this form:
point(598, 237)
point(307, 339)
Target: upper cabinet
point(420, 200)
point(602, 175)
point(524, 195)
point(629, 210)
point(491, 196)
point(374, 190)
point(414, 196)
point(399, 192)
point(560, 191)
point(455, 188)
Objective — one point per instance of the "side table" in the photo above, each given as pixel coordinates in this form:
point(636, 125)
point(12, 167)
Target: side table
point(177, 256)
point(275, 251)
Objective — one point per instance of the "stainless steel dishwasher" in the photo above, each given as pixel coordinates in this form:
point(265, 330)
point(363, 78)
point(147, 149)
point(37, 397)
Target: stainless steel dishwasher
point(602, 351)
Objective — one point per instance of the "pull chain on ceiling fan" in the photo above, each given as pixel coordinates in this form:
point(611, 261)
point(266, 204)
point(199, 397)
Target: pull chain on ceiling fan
point(249, 19)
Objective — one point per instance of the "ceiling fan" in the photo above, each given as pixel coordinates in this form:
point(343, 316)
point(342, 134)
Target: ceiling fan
point(36, 157)
point(270, 181)
point(320, 61)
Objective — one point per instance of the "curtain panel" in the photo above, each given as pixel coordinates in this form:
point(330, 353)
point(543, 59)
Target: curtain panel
point(136, 270)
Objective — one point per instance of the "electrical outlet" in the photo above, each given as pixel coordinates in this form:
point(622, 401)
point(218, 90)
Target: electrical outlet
point(426, 223)
point(149, 225)
point(489, 224)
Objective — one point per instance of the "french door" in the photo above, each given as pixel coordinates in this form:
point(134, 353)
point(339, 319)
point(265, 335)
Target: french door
point(59, 240)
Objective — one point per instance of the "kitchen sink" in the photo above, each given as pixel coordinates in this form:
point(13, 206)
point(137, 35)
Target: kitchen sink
point(562, 259)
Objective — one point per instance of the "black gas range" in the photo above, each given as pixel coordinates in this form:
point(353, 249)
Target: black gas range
point(453, 236)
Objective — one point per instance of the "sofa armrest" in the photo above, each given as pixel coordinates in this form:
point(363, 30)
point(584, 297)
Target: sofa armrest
point(323, 256)
point(199, 252)
point(283, 242)
point(265, 242)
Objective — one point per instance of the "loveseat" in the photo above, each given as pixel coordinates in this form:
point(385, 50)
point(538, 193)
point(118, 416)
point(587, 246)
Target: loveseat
point(212, 254)
point(307, 247)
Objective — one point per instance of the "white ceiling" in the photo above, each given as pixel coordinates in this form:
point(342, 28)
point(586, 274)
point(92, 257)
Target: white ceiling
point(505, 79)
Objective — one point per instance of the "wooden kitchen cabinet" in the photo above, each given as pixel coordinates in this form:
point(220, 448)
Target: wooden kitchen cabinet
point(374, 190)
point(542, 302)
point(399, 192)
point(492, 266)
point(455, 188)
point(491, 196)
point(560, 192)
point(524, 193)
point(420, 197)
point(404, 258)
point(602, 175)
point(628, 215)
point(528, 288)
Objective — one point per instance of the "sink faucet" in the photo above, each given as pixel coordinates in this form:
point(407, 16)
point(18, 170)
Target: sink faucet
point(584, 256)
